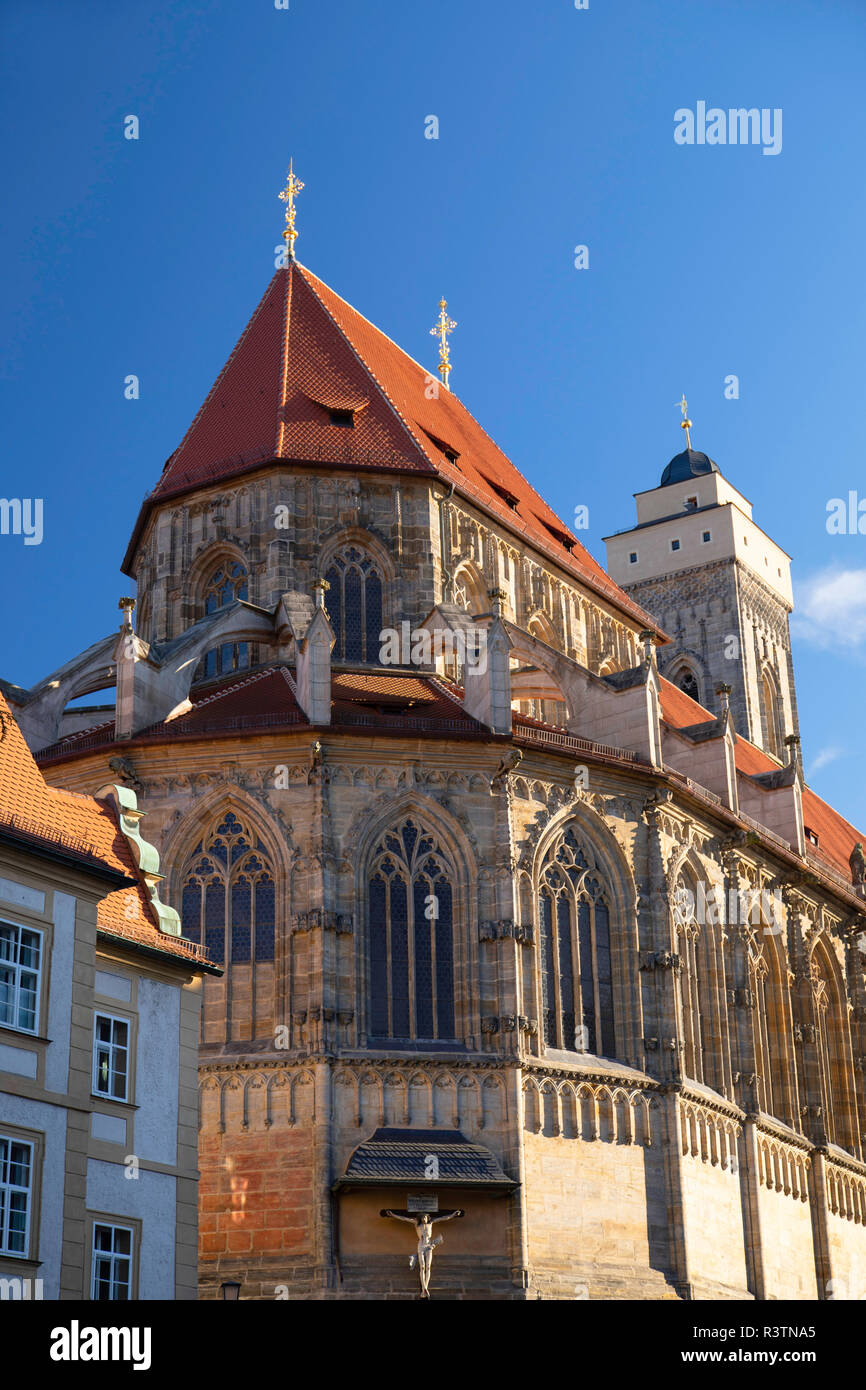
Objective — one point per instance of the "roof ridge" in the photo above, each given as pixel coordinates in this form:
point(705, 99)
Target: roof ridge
point(284, 367)
point(249, 678)
point(419, 445)
point(221, 375)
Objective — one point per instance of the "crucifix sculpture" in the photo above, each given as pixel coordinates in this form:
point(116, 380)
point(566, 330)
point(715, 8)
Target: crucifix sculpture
point(423, 1224)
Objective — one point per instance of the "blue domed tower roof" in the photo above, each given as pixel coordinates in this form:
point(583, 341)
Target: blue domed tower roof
point(688, 464)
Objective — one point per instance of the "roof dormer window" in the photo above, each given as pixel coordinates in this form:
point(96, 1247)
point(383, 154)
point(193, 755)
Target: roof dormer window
point(811, 835)
point(344, 418)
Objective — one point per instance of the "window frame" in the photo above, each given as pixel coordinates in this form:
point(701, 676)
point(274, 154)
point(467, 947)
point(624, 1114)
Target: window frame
point(39, 972)
point(115, 1223)
point(113, 1018)
point(10, 1135)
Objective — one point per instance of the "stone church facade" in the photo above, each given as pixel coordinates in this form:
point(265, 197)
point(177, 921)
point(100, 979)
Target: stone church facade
point(538, 935)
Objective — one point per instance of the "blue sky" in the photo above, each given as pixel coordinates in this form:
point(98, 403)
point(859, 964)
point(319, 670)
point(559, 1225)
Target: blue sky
point(555, 129)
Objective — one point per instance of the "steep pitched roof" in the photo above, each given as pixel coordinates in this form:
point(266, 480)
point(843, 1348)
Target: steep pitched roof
point(305, 354)
point(836, 836)
point(82, 829)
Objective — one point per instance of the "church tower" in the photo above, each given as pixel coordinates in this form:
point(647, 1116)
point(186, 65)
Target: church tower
point(717, 583)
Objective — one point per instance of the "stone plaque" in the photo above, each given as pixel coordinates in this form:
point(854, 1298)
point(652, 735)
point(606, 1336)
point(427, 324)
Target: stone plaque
point(422, 1201)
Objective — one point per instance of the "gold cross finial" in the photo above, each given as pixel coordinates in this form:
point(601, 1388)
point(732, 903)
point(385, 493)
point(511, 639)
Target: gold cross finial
point(686, 424)
point(288, 195)
point(441, 328)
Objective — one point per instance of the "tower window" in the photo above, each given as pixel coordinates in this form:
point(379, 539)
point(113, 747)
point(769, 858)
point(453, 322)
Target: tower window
point(632, 559)
point(772, 723)
point(691, 504)
point(706, 537)
point(689, 686)
point(675, 545)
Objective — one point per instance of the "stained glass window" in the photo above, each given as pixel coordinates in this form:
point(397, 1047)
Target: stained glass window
point(228, 897)
point(411, 935)
point(225, 585)
point(354, 605)
point(574, 948)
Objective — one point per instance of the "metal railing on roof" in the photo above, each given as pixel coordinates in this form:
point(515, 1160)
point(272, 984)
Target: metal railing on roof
point(554, 739)
point(825, 865)
point(429, 724)
point(767, 834)
point(696, 787)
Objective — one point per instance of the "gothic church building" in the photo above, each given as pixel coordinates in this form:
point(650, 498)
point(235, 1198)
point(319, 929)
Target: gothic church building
point(552, 934)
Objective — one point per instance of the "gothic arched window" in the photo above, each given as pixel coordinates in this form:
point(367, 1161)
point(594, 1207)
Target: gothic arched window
point(776, 1076)
point(469, 592)
point(574, 949)
point(226, 584)
point(688, 684)
point(411, 937)
point(831, 1027)
point(228, 898)
point(770, 700)
point(354, 605)
point(702, 1055)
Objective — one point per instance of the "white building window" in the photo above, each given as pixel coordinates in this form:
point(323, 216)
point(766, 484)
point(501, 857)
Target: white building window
point(110, 1057)
point(675, 545)
point(16, 1184)
point(20, 963)
point(707, 536)
point(111, 1278)
point(632, 559)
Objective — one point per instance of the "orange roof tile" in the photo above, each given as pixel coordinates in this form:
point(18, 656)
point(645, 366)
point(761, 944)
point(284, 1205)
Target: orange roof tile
point(679, 709)
point(80, 827)
point(836, 836)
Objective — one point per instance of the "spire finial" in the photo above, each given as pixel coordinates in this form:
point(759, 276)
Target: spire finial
point(441, 328)
point(288, 196)
point(687, 424)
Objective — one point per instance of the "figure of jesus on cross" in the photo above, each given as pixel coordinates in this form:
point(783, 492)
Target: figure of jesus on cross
point(423, 1224)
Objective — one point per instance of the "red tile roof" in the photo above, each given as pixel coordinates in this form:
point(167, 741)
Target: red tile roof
point(679, 709)
point(80, 827)
point(836, 836)
point(306, 352)
point(255, 701)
